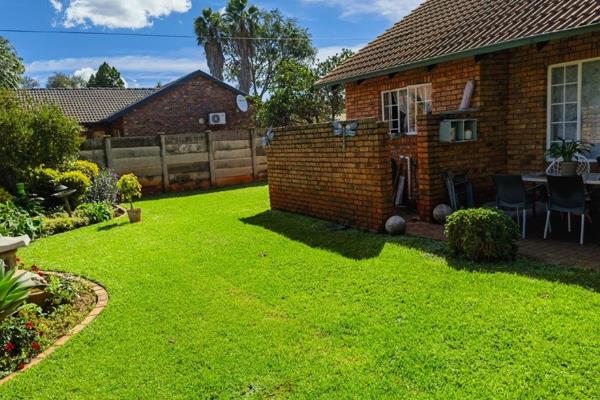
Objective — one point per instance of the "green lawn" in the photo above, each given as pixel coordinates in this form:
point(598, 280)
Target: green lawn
point(215, 297)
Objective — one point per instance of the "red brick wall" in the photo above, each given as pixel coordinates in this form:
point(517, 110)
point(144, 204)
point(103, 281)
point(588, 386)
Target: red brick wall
point(510, 98)
point(179, 110)
point(527, 92)
point(311, 173)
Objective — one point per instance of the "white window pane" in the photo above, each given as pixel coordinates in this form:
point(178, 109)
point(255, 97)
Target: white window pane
point(590, 105)
point(558, 75)
point(386, 99)
point(557, 132)
point(571, 93)
point(394, 98)
point(386, 114)
point(571, 131)
point(571, 73)
point(571, 112)
point(557, 113)
point(558, 94)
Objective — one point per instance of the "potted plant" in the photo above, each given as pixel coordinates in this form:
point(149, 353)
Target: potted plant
point(566, 150)
point(129, 189)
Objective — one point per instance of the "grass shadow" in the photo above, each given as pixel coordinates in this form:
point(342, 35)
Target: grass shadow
point(358, 245)
point(118, 223)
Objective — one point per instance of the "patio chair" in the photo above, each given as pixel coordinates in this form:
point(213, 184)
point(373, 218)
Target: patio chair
point(583, 165)
point(511, 194)
point(459, 188)
point(566, 194)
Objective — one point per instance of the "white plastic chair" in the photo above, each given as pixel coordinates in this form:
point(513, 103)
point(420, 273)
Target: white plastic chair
point(583, 165)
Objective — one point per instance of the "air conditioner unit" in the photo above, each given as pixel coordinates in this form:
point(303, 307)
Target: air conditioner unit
point(217, 119)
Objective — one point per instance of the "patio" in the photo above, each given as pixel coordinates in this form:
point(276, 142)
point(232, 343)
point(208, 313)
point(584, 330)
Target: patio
point(561, 248)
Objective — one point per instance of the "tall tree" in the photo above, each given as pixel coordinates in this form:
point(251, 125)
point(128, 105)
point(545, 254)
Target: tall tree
point(106, 76)
point(248, 44)
point(29, 83)
point(286, 41)
point(11, 66)
point(295, 99)
point(241, 20)
point(63, 81)
point(333, 97)
point(209, 29)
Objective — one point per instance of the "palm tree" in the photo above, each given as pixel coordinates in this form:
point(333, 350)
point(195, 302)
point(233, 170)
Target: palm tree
point(209, 31)
point(241, 21)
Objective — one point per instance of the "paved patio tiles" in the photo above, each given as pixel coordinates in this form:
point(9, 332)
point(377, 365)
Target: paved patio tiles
point(562, 251)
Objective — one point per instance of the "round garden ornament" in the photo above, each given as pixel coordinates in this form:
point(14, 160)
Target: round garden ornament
point(441, 213)
point(395, 225)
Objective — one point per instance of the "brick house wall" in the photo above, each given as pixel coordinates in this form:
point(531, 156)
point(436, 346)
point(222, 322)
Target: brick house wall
point(510, 104)
point(179, 111)
point(311, 172)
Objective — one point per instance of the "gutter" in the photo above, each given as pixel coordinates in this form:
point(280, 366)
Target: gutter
point(466, 53)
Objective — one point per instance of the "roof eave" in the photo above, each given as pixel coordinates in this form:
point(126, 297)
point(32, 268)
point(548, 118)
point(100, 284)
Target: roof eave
point(464, 54)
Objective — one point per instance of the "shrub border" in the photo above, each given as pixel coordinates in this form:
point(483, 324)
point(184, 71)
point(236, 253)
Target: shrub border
point(101, 302)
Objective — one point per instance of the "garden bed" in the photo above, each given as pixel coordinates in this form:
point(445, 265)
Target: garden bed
point(64, 306)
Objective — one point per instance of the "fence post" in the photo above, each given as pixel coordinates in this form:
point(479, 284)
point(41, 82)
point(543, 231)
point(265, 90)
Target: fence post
point(164, 164)
point(108, 152)
point(253, 148)
point(211, 159)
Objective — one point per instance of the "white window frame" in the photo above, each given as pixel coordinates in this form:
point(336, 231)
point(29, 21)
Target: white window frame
point(409, 112)
point(549, 103)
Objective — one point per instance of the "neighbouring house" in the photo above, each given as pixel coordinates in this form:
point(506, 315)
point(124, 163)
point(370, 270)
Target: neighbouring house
point(534, 71)
point(194, 103)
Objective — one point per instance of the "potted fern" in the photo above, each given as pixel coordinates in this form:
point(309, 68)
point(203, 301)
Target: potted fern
point(566, 151)
point(129, 189)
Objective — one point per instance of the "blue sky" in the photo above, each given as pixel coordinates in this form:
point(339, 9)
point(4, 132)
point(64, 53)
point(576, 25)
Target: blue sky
point(334, 24)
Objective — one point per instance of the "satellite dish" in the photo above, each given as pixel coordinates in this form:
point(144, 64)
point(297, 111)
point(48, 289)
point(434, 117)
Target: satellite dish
point(242, 103)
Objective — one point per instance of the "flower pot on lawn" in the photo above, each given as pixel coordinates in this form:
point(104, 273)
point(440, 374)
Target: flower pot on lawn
point(135, 215)
point(568, 168)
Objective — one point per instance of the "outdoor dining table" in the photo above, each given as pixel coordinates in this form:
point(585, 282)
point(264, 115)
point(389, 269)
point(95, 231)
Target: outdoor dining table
point(588, 179)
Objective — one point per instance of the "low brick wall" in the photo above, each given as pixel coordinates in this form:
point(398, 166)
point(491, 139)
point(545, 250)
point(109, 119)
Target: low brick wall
point(312, 172)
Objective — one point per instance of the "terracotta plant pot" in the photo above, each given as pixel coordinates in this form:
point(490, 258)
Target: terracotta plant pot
point(568, 168)
point(135, 215)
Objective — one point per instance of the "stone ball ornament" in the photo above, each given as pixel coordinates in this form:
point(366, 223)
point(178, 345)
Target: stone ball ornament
point(395, 225)
point(441, 212)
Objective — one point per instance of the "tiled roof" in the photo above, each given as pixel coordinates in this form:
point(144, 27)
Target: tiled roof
point(87, 105)
point(439, 30)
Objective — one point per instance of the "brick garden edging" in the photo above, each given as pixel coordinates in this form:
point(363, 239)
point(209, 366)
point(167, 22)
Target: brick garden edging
point(101, 302)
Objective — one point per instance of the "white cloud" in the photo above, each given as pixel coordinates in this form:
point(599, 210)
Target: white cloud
point(132, 14)
point(324, 52)
point(391, 9)
point(122, 63)
point(85, 73)
point(57, 5)
point(139, 70)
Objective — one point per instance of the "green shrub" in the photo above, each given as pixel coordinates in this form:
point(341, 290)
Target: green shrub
point(42, 181)
point(76, 180)
point(95, 212)
point(103, 188)
point(88, 168)
point(53, 226)
point(5, 195)
point(482, 235)
point(31, 135)
point(15, 221)
point(129, 188)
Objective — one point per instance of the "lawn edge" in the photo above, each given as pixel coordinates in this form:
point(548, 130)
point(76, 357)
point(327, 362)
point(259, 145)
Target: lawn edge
point(101, 303)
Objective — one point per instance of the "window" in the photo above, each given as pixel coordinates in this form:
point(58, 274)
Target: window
point(401, 107)
point(574, 103)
